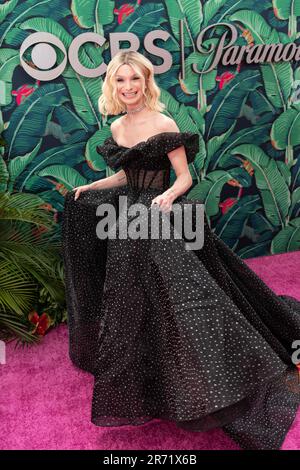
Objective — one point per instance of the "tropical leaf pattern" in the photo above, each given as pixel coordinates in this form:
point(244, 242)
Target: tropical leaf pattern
point(247, 171)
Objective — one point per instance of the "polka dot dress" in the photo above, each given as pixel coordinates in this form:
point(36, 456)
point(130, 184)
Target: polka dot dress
point(190, 336)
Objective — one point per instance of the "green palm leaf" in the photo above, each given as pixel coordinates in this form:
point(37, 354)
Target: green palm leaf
point(221, 158)
point(18, 164)
point(260, 224)
point(285, 8)
point(288, 10)
point(3, 175)
point(12, 327)
point(95, 161)
point(28, 259)
point(210, 8)
point(190, 12)
point(270, 182)
point(204, 82)
point(24, 207)
point(31, 8)
point(278, 77)
point(285, 133)
point(17, 289)
point(278, 80)
point(209, 190)
point(214, 144)
point(227, 104)
point(295, 201)
point(69, 120)
point(7, 8)
point(28, 122)
point(231, 225)
point(21, 171)
point(93, 13)
point(9, 60)
point(67, 176)
point(260, 248)
point(84, 91)
point(288, 239)
point(257, 25)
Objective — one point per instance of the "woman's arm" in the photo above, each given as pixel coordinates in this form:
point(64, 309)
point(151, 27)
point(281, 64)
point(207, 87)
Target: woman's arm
point(118, 179)
point(184, 178)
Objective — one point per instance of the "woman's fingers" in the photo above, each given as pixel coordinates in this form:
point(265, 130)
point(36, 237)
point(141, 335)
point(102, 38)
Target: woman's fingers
point(78, 190)
point(77, 194)
point(163, 205)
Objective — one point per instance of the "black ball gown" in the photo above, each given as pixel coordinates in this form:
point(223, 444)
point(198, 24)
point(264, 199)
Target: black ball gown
point(190, 336)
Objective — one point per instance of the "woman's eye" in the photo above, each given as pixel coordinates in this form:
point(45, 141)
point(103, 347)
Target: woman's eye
point(121, 80)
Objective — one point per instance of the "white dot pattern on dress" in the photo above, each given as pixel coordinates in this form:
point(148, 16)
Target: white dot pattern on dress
point(190, 336)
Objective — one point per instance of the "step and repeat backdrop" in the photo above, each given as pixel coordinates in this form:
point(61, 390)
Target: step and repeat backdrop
point(228, 70)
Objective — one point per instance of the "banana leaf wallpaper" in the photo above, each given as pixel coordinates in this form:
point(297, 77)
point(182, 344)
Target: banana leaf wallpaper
point(248, 117)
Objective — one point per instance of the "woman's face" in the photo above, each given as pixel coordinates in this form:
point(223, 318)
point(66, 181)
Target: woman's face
point(129, 86)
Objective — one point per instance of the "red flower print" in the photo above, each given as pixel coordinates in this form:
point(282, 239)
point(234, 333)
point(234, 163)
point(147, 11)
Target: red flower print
point(227, 204)
point(224, 79)
point(125, 9)
point(24, 91)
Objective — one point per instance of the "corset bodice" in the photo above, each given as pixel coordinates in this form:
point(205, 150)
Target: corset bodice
point(138, 178)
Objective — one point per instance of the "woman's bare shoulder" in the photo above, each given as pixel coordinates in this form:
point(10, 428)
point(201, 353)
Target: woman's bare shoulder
point(116, 123)
point(166, 123)
point(115, 126)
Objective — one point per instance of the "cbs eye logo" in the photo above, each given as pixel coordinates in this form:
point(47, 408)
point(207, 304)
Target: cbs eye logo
point(44, 55)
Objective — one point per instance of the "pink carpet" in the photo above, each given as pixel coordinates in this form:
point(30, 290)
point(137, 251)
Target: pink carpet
point(45, 401)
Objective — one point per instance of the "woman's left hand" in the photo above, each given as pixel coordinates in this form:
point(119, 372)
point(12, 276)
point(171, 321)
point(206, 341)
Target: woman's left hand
point(164, 200)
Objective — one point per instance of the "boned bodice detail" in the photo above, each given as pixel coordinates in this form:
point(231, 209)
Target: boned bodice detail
point(141, 178)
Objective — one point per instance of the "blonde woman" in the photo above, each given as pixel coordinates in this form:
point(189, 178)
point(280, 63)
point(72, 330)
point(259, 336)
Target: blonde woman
point(192, 336)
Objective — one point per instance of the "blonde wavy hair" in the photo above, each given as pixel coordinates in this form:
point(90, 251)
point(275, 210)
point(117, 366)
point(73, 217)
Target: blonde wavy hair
point(109, 102)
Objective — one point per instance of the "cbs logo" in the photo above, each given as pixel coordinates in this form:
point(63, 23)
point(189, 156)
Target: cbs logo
point(44, 55)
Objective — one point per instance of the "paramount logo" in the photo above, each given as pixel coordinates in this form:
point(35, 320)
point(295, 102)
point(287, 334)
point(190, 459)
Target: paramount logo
point(229, 54)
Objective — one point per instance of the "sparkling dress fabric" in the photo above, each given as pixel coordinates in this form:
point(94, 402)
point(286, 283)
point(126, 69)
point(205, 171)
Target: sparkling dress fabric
point(190, 336)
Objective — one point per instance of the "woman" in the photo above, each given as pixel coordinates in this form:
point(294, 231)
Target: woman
point(187, 335)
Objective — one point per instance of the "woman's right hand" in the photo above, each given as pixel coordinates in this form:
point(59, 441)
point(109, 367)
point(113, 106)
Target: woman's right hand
point(81, 189)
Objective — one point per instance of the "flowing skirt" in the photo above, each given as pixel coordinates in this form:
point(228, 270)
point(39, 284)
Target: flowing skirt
point(190, 336)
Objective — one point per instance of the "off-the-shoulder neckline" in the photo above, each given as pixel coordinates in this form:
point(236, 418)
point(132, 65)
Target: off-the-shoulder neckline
point(149, 139)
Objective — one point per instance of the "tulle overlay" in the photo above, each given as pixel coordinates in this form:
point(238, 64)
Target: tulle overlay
point(190, 336)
